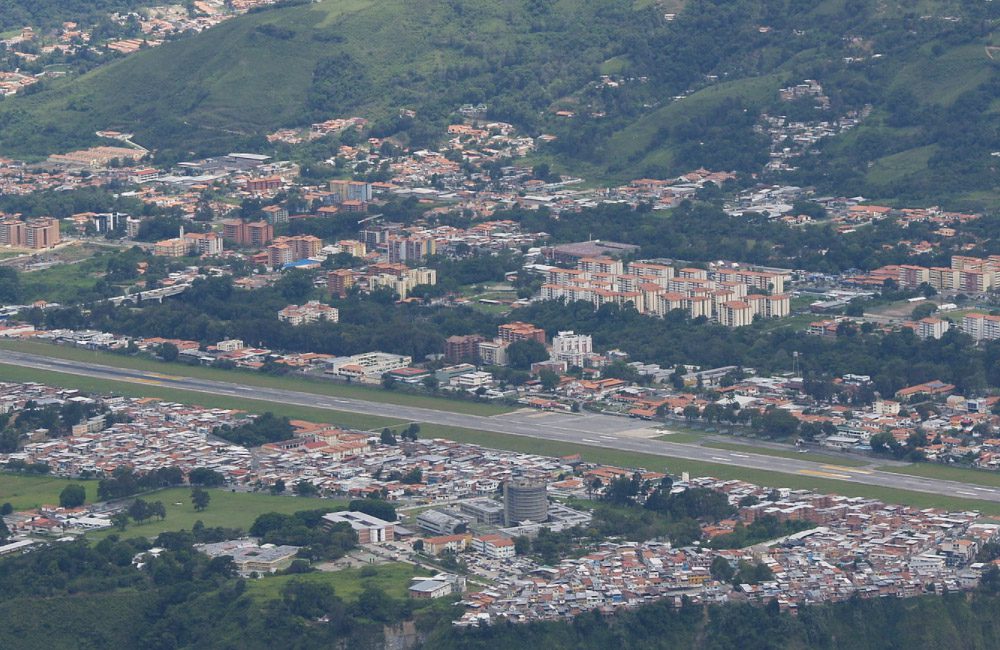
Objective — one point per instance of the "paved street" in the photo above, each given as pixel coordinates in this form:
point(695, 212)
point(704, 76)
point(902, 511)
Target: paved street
point(588, 429)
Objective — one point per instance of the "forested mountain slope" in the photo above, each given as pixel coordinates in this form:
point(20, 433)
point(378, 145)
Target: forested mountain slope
point(653, 88)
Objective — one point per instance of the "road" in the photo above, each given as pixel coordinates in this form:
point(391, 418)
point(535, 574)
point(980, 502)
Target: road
point(587, 429)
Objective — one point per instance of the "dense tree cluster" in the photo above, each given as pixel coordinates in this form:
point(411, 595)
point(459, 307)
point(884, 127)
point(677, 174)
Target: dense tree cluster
point(761, 529)
point(308, 529)
point(264, 428)
point(124, 481)
point(73, 495)
point(374, 507)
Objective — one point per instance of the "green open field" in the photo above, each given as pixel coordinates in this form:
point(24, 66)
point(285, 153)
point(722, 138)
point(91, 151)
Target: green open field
point(789, 453)
point(393, 578)
point(898, 165)
point(941, 79)
point(62, 283)
point(226, 509)
point(349, 420)
point(535, 446)
point(795, 321)
point(25, 492)
point(257, 379)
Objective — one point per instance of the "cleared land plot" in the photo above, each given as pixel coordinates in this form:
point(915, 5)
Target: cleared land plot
point(393, 578)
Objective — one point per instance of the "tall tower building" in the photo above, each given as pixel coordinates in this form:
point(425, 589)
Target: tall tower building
point(525, 499)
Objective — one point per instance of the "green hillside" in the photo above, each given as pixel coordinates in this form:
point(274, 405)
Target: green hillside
point(287, 66)
point(924, 68)
point(687, 91)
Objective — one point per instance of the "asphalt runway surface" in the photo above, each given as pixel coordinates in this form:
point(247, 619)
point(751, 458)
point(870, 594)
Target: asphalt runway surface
point(596, 430)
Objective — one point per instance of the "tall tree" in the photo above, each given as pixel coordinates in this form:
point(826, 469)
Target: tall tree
point(72, 496)
point(200, 499)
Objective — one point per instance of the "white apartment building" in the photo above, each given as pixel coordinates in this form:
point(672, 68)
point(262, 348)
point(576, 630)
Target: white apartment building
point(493, 353)
point(720, 293)
point(473, 380)
point(496, 547)
point(735, 313)
point(931, 328)
point(571, 347)
point(981, 327)
point(402, 283)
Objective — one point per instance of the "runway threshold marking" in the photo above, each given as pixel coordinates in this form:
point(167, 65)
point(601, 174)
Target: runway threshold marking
point(853, 470)
point(813, 472)
point(151, 382)
point(168, 377)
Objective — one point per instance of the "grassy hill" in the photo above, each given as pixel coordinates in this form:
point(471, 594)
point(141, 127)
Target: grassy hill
point(287, 66)
point(687, 94)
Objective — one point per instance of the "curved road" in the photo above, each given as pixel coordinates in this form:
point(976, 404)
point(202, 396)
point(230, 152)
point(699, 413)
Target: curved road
point(588, 429)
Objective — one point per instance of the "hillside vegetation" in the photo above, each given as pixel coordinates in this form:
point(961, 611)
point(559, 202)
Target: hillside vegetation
point(290, 65)
point(954, 622)
point(685, 91)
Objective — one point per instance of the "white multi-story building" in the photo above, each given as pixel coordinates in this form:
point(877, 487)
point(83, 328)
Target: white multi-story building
point(656, 289)
point(496, 547)
point(981, 327)
point(473, 380)
point(493, 353)
point(735, 313)
point(204, 243)
point(931, 328)
point(571, 347)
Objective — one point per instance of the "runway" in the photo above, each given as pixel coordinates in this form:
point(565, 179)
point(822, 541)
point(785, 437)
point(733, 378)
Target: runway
point(585, 429)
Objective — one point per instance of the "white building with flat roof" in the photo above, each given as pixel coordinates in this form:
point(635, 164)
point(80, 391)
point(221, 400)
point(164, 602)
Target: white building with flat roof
point(571, 347)
point(367, 367)
point(370, 530)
